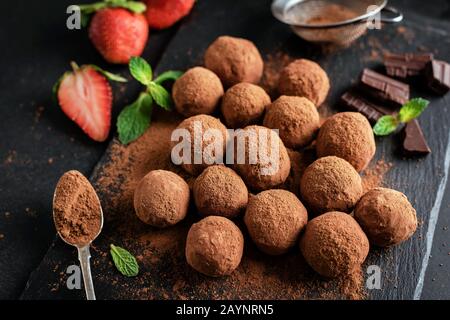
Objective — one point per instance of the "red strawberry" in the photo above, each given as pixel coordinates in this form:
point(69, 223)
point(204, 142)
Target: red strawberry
point(118, 34)
point(162, 14)
point(85, 96)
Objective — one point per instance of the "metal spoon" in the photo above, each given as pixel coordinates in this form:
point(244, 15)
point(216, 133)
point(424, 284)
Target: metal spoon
point(84, 255)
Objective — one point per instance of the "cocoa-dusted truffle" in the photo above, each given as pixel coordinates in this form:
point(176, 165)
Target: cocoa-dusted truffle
point(261, 158)
point(330, 184)
point(197, 91)
point(219, 191)
point(244, 104)
point(334, 244)
point(274, 219)
point(214, 246)
point(296, 118)
point(202, 139)
point(304, 78)
point(161, 198)
point(234, 60)
point(347, 135)
point(386, 216)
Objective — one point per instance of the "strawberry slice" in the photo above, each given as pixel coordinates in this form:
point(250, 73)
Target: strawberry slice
point(85, 96)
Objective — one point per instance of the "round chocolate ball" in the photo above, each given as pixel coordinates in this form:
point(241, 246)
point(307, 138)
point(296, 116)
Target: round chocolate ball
point(214, 246)
point(296, 118)
point(205, 139)
point(386, 216)
point(161, 198)
point(197, 91)
point(304, 78)
point(261, 158)
point(334, 244)
point(331, 184)
point(234, 60)
point(347, 135)
point(219, 191)
point(244, 104)
point(274, 219)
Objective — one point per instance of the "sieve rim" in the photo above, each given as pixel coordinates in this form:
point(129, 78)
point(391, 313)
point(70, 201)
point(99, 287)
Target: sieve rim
point(289, 4)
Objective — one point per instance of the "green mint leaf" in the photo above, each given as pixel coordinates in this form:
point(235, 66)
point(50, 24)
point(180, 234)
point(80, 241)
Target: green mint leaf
point(160, 95)
point(109, 75)
point(140, 70)
point(412, 109)
point(168, 75)
point(385, 125)
point(124, 261)
point(134, 119)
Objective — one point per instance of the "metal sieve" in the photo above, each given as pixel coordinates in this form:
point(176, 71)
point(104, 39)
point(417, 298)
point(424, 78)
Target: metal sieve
point(337, 22)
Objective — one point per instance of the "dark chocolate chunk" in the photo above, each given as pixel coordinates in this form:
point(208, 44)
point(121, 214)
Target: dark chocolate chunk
point(406, 64)
point(355, 102)
point(414, 143)
point(438, 76)
point(383, 88)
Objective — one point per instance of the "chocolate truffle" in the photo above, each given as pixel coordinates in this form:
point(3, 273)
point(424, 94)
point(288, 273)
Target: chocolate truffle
point(331, 184)
point(197, 91)
point(296, 118)
point(347, 135)
point(161, 198)
point(234, 60)
point(274, 219)
point(334, 244)
point(304, 78)
point(260, 158)
point(219, 191)
point(206, 148)
point(386, 216)
point(214, 246)
point(244, 104)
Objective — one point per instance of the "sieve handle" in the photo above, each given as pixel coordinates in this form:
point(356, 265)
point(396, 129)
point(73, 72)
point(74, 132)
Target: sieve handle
point(280, 7)
point(393, 16)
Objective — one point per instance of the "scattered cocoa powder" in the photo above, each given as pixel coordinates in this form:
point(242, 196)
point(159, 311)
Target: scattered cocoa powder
point(76, 209)
point(373, 176)
point(272, 65)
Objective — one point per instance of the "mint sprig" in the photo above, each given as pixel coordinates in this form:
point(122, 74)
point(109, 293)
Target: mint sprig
point(124, 261)
point(88, 9)
point(135, 118)
point(409, 111)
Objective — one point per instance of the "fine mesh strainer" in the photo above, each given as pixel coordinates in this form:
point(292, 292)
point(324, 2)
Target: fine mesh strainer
point(338, 22)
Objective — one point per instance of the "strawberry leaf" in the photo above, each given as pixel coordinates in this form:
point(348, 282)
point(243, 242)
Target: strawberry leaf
point(385, 125)
point(55, 87)
point(108, 75)
point(160, 95)
point(412, 109)
point(134, 6)
point(140, 70)
point(168, 75)
point(134, 119)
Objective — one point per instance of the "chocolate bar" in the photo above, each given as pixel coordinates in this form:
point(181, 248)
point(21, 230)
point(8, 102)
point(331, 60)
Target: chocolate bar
point(406, 64)
point(354, 102)
point(383, 88)
point(438, 76)
point(414, 143)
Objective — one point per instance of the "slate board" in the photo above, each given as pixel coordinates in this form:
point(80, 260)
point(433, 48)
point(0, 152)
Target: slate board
point(418, 179)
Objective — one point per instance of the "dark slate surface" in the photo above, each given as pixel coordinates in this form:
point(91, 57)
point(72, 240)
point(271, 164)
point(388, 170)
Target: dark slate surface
point(38, 52)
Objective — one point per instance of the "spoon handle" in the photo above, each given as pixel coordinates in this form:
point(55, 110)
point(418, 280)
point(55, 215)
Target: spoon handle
point(84, 255)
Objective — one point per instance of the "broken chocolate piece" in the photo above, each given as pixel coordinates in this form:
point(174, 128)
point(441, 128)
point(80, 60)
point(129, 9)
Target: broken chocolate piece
point(406, 64)
point(414, 143)
point(354, 102)
point(383, 88)
point(438, 76)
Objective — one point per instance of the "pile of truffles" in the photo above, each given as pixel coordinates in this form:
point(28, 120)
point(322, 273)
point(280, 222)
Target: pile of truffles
point(253, 186)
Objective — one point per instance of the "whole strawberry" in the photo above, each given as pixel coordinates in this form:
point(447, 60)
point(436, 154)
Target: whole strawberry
point(85, 96)
point(118, 29)
point(162, 14)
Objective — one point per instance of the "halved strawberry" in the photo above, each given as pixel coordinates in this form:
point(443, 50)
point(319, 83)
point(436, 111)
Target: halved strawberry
point(85, 96)
point(162, 14)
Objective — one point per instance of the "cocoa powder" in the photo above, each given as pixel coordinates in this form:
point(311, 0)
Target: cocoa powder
point(76, 209)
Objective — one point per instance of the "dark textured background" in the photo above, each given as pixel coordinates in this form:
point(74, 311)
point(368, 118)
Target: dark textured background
point(38, 143)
